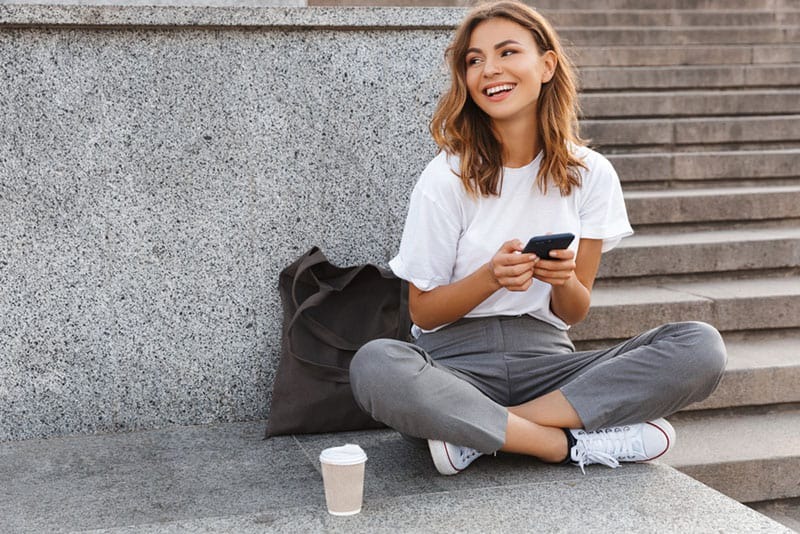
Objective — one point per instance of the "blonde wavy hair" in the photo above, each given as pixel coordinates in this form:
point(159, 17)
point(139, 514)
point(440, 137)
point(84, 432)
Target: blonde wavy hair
point(460, 127)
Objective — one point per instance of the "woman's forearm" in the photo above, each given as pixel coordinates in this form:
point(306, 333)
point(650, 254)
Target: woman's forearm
point(570, 301)
point(445, 304)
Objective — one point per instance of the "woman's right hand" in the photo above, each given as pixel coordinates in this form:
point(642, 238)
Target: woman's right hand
point(510, 268)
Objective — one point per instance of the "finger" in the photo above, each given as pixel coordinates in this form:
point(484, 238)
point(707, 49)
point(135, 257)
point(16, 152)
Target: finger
point(562, 254)
point(522, 287)
point(520, 283)
point(511, 271)
point(514, 245)
point(556, 265)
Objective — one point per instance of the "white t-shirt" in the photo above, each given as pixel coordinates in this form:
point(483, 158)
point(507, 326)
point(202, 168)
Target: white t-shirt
point(449, 235)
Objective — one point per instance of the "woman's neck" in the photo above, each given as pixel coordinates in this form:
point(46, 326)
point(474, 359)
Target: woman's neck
point(520, 141)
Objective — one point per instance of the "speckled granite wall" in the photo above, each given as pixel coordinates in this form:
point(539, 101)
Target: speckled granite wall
point(154, 181)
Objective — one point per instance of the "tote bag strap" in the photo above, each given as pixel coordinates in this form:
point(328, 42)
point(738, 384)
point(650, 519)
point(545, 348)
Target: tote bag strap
point(313, 257)
point(321, 332)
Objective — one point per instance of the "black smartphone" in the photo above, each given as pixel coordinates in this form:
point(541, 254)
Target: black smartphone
point(541, 245)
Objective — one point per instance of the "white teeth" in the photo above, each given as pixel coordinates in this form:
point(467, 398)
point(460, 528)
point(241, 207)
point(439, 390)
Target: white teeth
point(498, 88)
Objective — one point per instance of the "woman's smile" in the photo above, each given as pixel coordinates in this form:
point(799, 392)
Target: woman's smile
point(497, 92)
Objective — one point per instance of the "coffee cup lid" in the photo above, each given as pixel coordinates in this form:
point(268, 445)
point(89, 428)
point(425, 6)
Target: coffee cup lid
point(345, 455)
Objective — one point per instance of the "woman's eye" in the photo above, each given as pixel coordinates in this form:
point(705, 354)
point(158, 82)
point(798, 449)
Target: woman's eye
point(473, 61)
point(505, 53)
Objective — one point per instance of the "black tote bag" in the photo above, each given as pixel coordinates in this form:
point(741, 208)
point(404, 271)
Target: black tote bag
point(329, 312)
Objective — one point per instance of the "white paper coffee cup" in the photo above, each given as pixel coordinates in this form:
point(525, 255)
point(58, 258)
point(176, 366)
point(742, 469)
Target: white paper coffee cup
point(343, 478)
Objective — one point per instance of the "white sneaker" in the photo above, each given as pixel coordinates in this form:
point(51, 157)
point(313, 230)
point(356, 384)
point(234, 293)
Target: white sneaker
point(451, 459)
point(628, 443)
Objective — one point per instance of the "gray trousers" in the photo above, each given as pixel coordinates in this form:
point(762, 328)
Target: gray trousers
point(455, 384)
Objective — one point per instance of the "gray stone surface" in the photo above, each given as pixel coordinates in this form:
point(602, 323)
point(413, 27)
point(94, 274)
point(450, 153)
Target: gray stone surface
point(688, 103)
point(225, 478)
point(690, 77)
point(692, 131)
point(752, 457)
point(703, 252)
point(621, 311)
point(785, 511)
point(14, 15)
point(763, 368)
point(694, 166)
point(153, 182)
point(713, 204)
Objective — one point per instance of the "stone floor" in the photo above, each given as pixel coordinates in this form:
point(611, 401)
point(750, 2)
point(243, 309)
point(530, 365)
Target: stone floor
point(226, 478)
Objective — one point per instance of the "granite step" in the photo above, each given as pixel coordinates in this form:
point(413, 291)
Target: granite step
point(692, 131)
point(753, 165)
point(763, 368)
point(749, 455)
point(785, 511)
point(689, 77)
point(226, 478)
point(712, 204)
point(623, 310)
point(676, 55)
point(718, 251)
point(738, 103)
point(772, 5)
point(670, 17)
point(545, 5)
point(709, 35)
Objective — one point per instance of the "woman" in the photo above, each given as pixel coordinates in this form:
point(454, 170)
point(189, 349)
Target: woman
point(491, 367)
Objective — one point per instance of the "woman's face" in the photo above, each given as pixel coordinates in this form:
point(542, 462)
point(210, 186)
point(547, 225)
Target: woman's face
point(505, 70)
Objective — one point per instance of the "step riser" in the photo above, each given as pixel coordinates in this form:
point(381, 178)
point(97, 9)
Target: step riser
point(700, 258)
point(753, 387)
point(691, 131)
point(683, 55)
point(689, 104)
point(757, 480)
point(659, 18)
point(620, 36)
point(706, 166)
point(624, 321)
point(707, 208)
point(773, 5)
point(604, 79)
point(545, 5)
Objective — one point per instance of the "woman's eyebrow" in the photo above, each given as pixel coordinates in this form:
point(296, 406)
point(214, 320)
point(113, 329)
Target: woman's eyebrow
point(496, 47)
point(504, 43)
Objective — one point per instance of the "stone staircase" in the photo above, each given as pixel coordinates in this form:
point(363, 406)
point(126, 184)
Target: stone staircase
point(699, 110)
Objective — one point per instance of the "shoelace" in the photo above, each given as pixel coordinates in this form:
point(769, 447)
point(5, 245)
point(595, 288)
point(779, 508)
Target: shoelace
point(602, 449)
point(466, 454)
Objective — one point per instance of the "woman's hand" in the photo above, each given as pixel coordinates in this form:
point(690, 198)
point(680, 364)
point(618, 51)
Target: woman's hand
point(558, 270)
point(512, 270)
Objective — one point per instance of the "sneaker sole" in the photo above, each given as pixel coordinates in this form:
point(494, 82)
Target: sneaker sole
point(441, 458)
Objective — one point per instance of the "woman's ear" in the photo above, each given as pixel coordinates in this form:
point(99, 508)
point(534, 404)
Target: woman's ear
point(550, 63)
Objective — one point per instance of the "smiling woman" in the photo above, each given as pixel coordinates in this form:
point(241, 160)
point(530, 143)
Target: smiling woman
point(491, 367)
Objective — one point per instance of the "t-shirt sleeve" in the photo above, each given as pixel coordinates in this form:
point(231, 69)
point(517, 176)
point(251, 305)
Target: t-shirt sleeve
point(602, 207)
point(431, 233)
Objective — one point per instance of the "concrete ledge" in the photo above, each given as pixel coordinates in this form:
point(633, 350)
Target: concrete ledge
point(226, 479)
point(204, 16)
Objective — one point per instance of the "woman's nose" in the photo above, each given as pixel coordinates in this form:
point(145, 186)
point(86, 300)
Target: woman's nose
point(491, 68)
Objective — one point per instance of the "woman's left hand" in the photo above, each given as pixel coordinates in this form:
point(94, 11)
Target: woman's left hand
point(556, 270)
